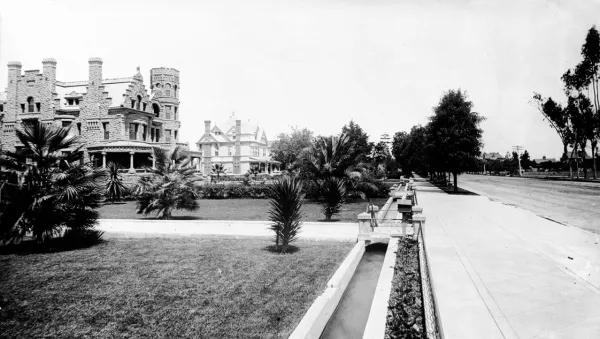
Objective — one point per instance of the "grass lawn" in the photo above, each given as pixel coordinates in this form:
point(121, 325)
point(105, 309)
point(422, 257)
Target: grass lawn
point(164, 288)
point(238, 209)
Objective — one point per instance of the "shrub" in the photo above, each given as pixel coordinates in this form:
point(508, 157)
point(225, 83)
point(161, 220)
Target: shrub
point(220, 191)
point(334, 194)
point(115, 189)
point(286, 202)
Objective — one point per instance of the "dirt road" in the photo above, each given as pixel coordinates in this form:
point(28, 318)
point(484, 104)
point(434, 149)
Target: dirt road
point(573, 203)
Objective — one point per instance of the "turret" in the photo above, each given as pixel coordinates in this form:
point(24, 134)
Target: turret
point(50, 72)
point(95, 72)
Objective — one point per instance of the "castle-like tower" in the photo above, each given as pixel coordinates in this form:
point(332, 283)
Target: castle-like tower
point(165, 90)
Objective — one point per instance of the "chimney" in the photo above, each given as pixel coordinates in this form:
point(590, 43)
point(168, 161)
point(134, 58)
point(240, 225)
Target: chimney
point(206, 127)
point(50, 72)
point(95, 74)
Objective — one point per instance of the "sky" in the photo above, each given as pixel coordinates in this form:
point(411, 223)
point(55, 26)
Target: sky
point(320, 64)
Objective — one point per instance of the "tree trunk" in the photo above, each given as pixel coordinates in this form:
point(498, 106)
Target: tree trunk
point(568, 160)
point(583, 162)
point(576, 159)
point(455, 182)
point(284, 247)
point(594, 143)
point(277, 241)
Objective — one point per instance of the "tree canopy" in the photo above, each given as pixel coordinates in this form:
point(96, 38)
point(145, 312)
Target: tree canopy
point(288, 147)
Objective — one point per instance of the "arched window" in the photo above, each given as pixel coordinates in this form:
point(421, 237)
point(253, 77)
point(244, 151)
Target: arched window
point(139, 102)
point(30, 104)
point(175, 91)
point(168, 90)
point(157, 85)
point(156, 109)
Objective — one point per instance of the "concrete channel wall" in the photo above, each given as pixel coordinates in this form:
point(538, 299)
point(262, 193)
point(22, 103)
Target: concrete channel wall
point(314, 321)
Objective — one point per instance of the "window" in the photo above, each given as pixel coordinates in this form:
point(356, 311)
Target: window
point(151, 134)
point(132, 103)
point(23, 108)
point(145, 104)
point(77, 102)
point(156, 109)
point(168, 90)
point(106, 132)
point(78, 128)
point(216, 152)
point(264, 152)
point(38, 106)
point(1, 108)
point(133, 128)
point(176, 116)
point(168, 112)
point(228, 150)
point(157, 135)
point(70, 102)
point(176, 135)
point(168, 135)
point(30, 104)
point(139, 102)
point(175, 91)
point(144, 130)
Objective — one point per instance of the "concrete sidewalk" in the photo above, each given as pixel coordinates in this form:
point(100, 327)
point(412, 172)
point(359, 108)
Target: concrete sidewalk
point(119, 228)
point(503, 272)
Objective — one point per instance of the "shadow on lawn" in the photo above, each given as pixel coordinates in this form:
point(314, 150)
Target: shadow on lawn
point(27, 247)
point(175, 217)
point(450, 190)
point(273, 249)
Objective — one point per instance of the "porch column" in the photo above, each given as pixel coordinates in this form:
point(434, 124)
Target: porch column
point(131, 169)
point(103, 159)
point(153, 162)
point(198, 164)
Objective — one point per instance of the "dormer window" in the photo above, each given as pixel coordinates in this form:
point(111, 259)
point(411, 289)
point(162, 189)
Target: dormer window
point(77, 102)
point(139, 101)
point(132, 103)
point(70, 102)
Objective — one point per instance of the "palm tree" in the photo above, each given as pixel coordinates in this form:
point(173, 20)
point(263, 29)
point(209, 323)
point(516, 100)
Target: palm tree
point(334, 194)
point(329, 156)
point(115, 189)
point(45, 190)
point(218, 169)
point(286, 202)
point(170, 185)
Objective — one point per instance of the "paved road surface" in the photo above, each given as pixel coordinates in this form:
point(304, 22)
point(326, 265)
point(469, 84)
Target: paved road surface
point(573, 203)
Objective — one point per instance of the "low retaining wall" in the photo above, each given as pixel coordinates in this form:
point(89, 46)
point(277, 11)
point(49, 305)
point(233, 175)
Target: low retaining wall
point(314, 321)
point(376, 323)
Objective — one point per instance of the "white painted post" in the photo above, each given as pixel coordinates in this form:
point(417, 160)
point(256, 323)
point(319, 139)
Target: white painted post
point(131, 168)
point(364, 226)
point(103, 159)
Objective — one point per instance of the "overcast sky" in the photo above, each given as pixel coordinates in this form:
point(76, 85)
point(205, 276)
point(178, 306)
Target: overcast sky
point(318, 64)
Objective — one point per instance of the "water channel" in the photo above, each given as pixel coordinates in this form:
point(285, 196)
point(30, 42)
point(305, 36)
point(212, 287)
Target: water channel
point(350, 318)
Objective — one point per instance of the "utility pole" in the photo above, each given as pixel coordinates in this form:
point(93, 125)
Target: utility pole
point(517, 149)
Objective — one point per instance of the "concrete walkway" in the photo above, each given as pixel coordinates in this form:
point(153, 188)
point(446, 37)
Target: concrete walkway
point(119, 228)
point(503, 272)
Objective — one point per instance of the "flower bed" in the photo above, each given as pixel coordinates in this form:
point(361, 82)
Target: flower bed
point(405, 317)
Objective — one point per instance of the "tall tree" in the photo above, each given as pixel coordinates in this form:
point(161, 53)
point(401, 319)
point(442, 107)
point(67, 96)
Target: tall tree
point(288, 147)
point(578, 82)
point(360, 140)
point(526, 160)
point(558, 119)
point(454, 134)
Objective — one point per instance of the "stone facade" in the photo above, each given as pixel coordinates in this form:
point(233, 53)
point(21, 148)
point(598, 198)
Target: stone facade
point(118, 119)
point(237, 146)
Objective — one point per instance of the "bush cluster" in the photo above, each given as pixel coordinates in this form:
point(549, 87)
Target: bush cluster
point(405, 318)
point(221, 191)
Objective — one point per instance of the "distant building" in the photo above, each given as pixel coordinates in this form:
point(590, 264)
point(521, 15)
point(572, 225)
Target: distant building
point(119, 120)
point(493, 156)
point(237, 146)
point(385, 138)
point(543, 160)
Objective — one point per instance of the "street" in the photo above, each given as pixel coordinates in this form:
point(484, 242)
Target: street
point(569, 202)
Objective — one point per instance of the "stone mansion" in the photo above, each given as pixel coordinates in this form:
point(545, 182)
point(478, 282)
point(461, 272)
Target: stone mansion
point(119, 119)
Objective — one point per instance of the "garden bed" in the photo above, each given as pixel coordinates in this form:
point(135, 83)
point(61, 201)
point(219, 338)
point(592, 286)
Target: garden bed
point(237, 209)
point(406, 317)
point(164, 288)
